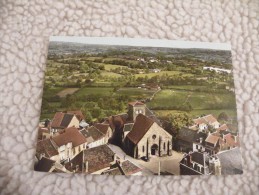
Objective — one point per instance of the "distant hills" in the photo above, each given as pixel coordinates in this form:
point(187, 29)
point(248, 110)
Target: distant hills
point(61, 48)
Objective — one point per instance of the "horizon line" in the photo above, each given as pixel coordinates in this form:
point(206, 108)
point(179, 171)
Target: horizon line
point(142, 42)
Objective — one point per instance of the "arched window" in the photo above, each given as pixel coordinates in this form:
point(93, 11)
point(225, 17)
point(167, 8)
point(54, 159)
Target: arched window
point(164, 145)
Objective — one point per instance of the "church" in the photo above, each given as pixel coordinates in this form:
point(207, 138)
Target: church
point(146, 138)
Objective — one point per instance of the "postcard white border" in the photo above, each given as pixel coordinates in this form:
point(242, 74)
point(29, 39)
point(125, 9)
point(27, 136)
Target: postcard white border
point(140, 42)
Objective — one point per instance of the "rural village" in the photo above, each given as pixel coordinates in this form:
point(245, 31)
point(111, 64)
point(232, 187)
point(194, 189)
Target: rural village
point(126, 112)
point(134, 143)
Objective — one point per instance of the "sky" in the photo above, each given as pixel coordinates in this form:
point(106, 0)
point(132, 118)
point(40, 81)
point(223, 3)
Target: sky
point(141, 42)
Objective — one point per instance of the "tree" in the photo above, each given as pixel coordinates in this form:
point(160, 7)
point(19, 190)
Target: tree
point(223, 117)
point(177, 121)
point(88, 116)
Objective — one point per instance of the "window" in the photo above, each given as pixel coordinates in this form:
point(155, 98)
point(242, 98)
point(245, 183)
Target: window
point(143, 148)
point(74, 150)
point(197, 147)
point(164, 145)
point(154, 136)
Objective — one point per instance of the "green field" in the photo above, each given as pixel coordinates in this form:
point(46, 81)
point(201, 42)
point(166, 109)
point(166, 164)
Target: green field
point(167, 98)
point(110, 74)
point(52, 91)
point(170, 101)
point(169, 73)
point(93, 79)
point(135, 92)
point(197, 113)
point(101, 91)
point(110, 67)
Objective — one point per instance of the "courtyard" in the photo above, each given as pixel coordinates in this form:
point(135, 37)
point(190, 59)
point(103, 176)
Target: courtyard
point(168, 164)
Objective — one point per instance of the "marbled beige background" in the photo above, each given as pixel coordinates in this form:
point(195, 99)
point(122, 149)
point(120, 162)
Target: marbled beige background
point(24, 30)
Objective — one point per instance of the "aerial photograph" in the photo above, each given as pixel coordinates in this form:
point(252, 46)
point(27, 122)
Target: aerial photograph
point(126, 108)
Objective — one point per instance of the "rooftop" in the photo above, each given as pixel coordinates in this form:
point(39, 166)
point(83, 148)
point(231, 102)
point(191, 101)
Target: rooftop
point(231, 162)
point(47, 148)
point(70, 135)
point(61, 120)
point(139, 129)
point(95, 162)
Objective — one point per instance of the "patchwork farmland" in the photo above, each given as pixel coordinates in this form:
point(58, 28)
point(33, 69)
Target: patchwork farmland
point(102, 83)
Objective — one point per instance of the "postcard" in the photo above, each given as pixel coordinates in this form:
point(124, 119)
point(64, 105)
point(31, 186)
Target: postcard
point(122, 106)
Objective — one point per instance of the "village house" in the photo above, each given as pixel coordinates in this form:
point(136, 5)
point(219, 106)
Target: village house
point(93, 136)
point(147, 138)
point(190, 140)
point(196, 141)
point(69, 143)
point(46, 148)
point(93, 160)
point(227, 140)
point(105, 129)
point(212, 145)
point(205, 122)
point(80, 117)
point(197, 163)
point(48, 165)
point(61, 121)
point(123, 168)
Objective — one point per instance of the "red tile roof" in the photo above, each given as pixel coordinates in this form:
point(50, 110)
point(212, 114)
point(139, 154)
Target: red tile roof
point(141, 126)
point(70, 135)
point(208, 119)
point(102, 127)
point(78, 114)
point(199, 121)
point(47, 148)
point(223, 127)
point(212, 139)
point(230, 140)
point(129, 168)
point(98, 158)
point(61, 120)
point(94, 133)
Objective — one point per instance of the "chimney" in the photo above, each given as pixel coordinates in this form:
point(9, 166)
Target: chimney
point(114, 158)
point(235, 138)
point(77, 168)
point(86, 166)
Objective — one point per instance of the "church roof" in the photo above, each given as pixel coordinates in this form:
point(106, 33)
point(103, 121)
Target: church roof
point(141, 126)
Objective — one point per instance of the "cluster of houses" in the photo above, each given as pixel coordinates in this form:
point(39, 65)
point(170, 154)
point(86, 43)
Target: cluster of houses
point(208, 145)
point(67, 143)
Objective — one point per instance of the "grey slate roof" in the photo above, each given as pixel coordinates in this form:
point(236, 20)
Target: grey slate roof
point(231, 162)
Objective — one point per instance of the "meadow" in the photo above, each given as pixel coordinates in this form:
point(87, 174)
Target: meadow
point(106, 83)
